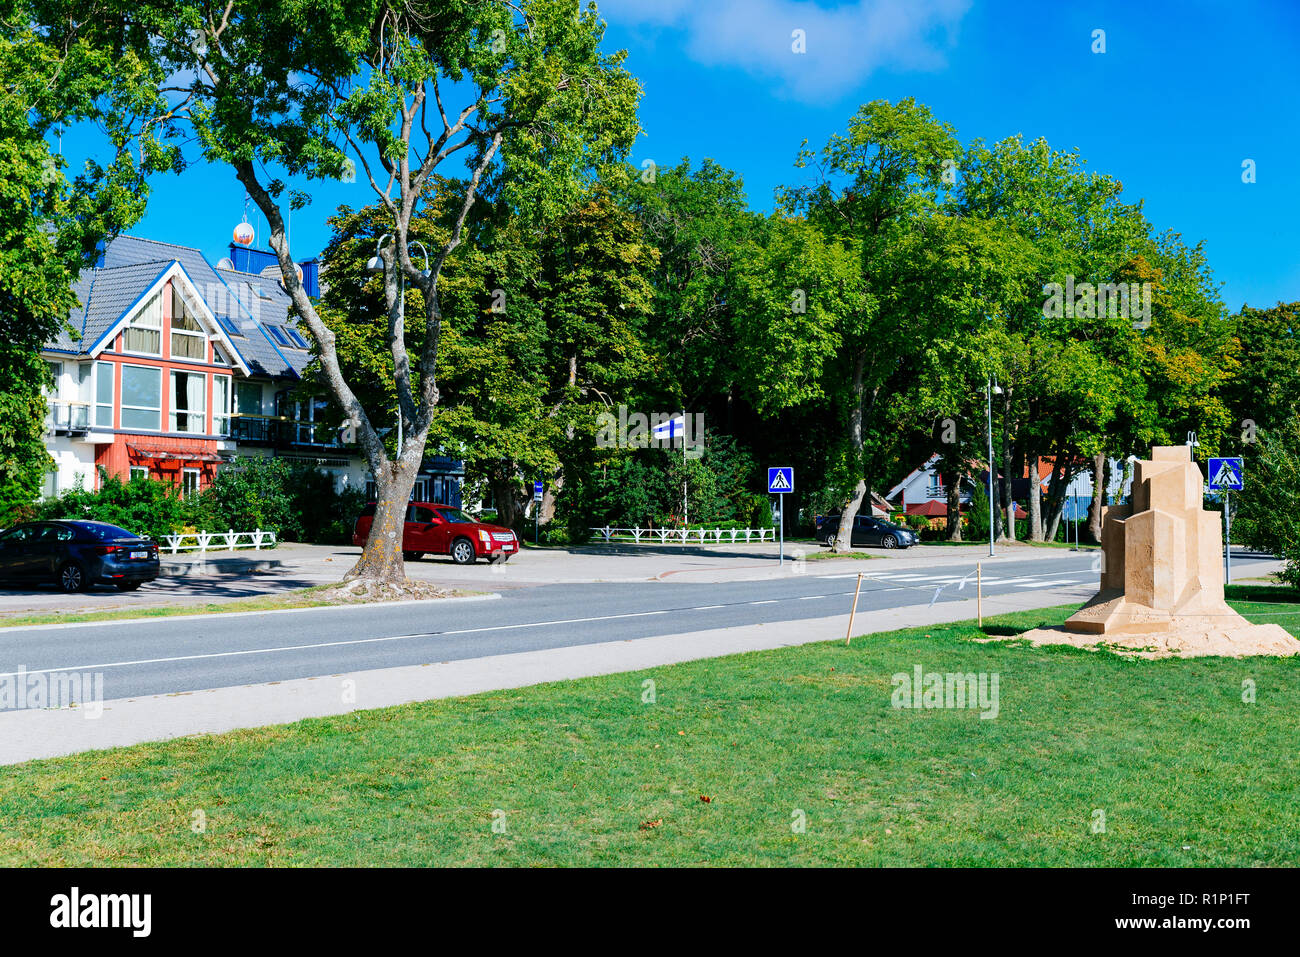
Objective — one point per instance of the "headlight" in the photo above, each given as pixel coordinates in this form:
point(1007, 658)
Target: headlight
point(483, 536)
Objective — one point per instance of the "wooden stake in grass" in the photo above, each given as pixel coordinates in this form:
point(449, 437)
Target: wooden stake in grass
point(979, 594)
point(849, 637)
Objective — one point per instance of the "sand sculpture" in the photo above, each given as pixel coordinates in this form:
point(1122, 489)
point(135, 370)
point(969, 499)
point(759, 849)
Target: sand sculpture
point(1162, 574)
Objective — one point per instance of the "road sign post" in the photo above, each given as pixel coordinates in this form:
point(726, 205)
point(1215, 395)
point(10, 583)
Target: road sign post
point(1227, 475)
point(780, 481)
point(537, 509)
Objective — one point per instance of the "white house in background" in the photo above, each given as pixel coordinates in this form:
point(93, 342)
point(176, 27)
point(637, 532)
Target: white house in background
point(1080, 487)
point(923, 484)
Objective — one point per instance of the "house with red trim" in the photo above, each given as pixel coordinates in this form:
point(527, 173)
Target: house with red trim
point(172, 368)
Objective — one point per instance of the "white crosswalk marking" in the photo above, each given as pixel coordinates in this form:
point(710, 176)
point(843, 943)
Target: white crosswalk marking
point(1046, 584)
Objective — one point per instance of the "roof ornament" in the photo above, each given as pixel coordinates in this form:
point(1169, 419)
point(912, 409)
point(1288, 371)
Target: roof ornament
point(244, 232)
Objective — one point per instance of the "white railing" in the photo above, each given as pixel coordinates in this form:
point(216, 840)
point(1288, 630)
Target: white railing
point(685, 536)
point(203, 542)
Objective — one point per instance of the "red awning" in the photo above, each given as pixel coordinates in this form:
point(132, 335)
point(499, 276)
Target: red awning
point(179, 455)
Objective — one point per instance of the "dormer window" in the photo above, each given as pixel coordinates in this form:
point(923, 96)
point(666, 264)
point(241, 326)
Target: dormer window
point(188, 338)
point(143, 334)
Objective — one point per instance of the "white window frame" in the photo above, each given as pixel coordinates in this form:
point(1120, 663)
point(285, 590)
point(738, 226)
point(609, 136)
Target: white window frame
point(145, 311)
point(186, 475)
point(102, 369)
point(56, 373)
point(221, 416)
point(142, 408)
point(178, 297)
point(173, 412)
point(138, 471)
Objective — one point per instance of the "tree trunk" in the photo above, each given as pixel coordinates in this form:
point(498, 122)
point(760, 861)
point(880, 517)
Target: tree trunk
point(381, 558)
point(954, 505)
point(1035, 501)
point(1061, 476)
point(1007, 473)
point(844, 537)
point(1099, 464)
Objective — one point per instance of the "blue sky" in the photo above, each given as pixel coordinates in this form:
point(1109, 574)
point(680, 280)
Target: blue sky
point(1183, 93)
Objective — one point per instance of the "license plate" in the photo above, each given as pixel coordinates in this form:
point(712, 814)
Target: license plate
point(139, 554)
point(508, 548)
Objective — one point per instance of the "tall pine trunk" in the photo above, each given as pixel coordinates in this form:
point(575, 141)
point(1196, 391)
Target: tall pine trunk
point(1035, 501)
point(1099, 470)
point(953, 478)
point(844, 536)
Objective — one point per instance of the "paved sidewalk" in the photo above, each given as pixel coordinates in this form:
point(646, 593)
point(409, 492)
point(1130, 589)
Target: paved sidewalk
point(28, 735)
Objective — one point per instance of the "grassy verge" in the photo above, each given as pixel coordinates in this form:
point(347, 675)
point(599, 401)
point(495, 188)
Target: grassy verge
point(821, 556)
point(599, 771)
point(298, 598)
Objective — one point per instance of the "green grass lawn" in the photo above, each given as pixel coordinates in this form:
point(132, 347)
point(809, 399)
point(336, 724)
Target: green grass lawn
point(586, 772)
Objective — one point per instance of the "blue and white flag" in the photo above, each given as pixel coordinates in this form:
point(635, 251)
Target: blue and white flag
point(671, 428)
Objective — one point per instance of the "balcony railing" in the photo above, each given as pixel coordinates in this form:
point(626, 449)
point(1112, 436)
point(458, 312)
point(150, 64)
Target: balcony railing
point(282, 431)
point(64, 416)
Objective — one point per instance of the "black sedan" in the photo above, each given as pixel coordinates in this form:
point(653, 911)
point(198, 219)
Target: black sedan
point(77, 554)
point(867, 531)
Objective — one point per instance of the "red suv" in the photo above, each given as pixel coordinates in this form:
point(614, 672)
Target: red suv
point(443, 530)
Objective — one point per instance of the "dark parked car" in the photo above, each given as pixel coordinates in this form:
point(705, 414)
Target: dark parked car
point(867, 531)
point(75, 555)
point(443, 530)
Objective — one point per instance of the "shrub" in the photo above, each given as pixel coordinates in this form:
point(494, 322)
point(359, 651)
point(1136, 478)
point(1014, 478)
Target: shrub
point(147, 506)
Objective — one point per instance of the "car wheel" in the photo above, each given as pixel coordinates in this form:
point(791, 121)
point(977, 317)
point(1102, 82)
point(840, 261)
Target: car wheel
point(412, 556)
point(890, 542)
point(462, 552)
point(830, 542)
point(128, 586)
point(72, 578)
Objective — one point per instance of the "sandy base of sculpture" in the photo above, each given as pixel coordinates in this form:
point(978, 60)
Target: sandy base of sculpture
point(1182, 637)
point(1111, 613)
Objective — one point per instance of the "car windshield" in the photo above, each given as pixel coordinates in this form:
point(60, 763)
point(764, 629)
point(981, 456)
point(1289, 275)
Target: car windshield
point(456, 516)
point(105, 532)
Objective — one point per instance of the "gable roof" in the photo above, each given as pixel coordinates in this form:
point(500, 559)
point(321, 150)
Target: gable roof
point(131, 265)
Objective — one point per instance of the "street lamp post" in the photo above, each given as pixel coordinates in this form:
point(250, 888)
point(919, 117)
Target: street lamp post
point(377, 264)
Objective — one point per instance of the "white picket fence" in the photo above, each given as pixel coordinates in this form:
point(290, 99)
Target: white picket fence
point(685, 536)
point(202, 542)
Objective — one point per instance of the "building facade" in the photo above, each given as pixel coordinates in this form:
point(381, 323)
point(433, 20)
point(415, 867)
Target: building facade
point(173, 368)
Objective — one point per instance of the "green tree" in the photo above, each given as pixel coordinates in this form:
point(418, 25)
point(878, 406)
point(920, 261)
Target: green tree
point(1268, 510)
point(521, 92)
point(50, 80)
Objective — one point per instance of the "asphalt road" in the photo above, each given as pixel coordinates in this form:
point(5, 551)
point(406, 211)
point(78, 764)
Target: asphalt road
point(147, 657)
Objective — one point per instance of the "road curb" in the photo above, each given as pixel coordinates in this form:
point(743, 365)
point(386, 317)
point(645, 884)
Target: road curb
point(164, 619)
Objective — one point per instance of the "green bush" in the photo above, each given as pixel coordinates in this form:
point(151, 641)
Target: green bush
point(296, 502)
point(145, 506)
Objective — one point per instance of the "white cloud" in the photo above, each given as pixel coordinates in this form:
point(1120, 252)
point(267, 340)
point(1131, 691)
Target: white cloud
point(845, 44)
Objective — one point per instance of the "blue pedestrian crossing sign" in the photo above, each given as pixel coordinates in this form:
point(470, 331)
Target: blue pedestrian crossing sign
point(1227, 474)
point(780, 480)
